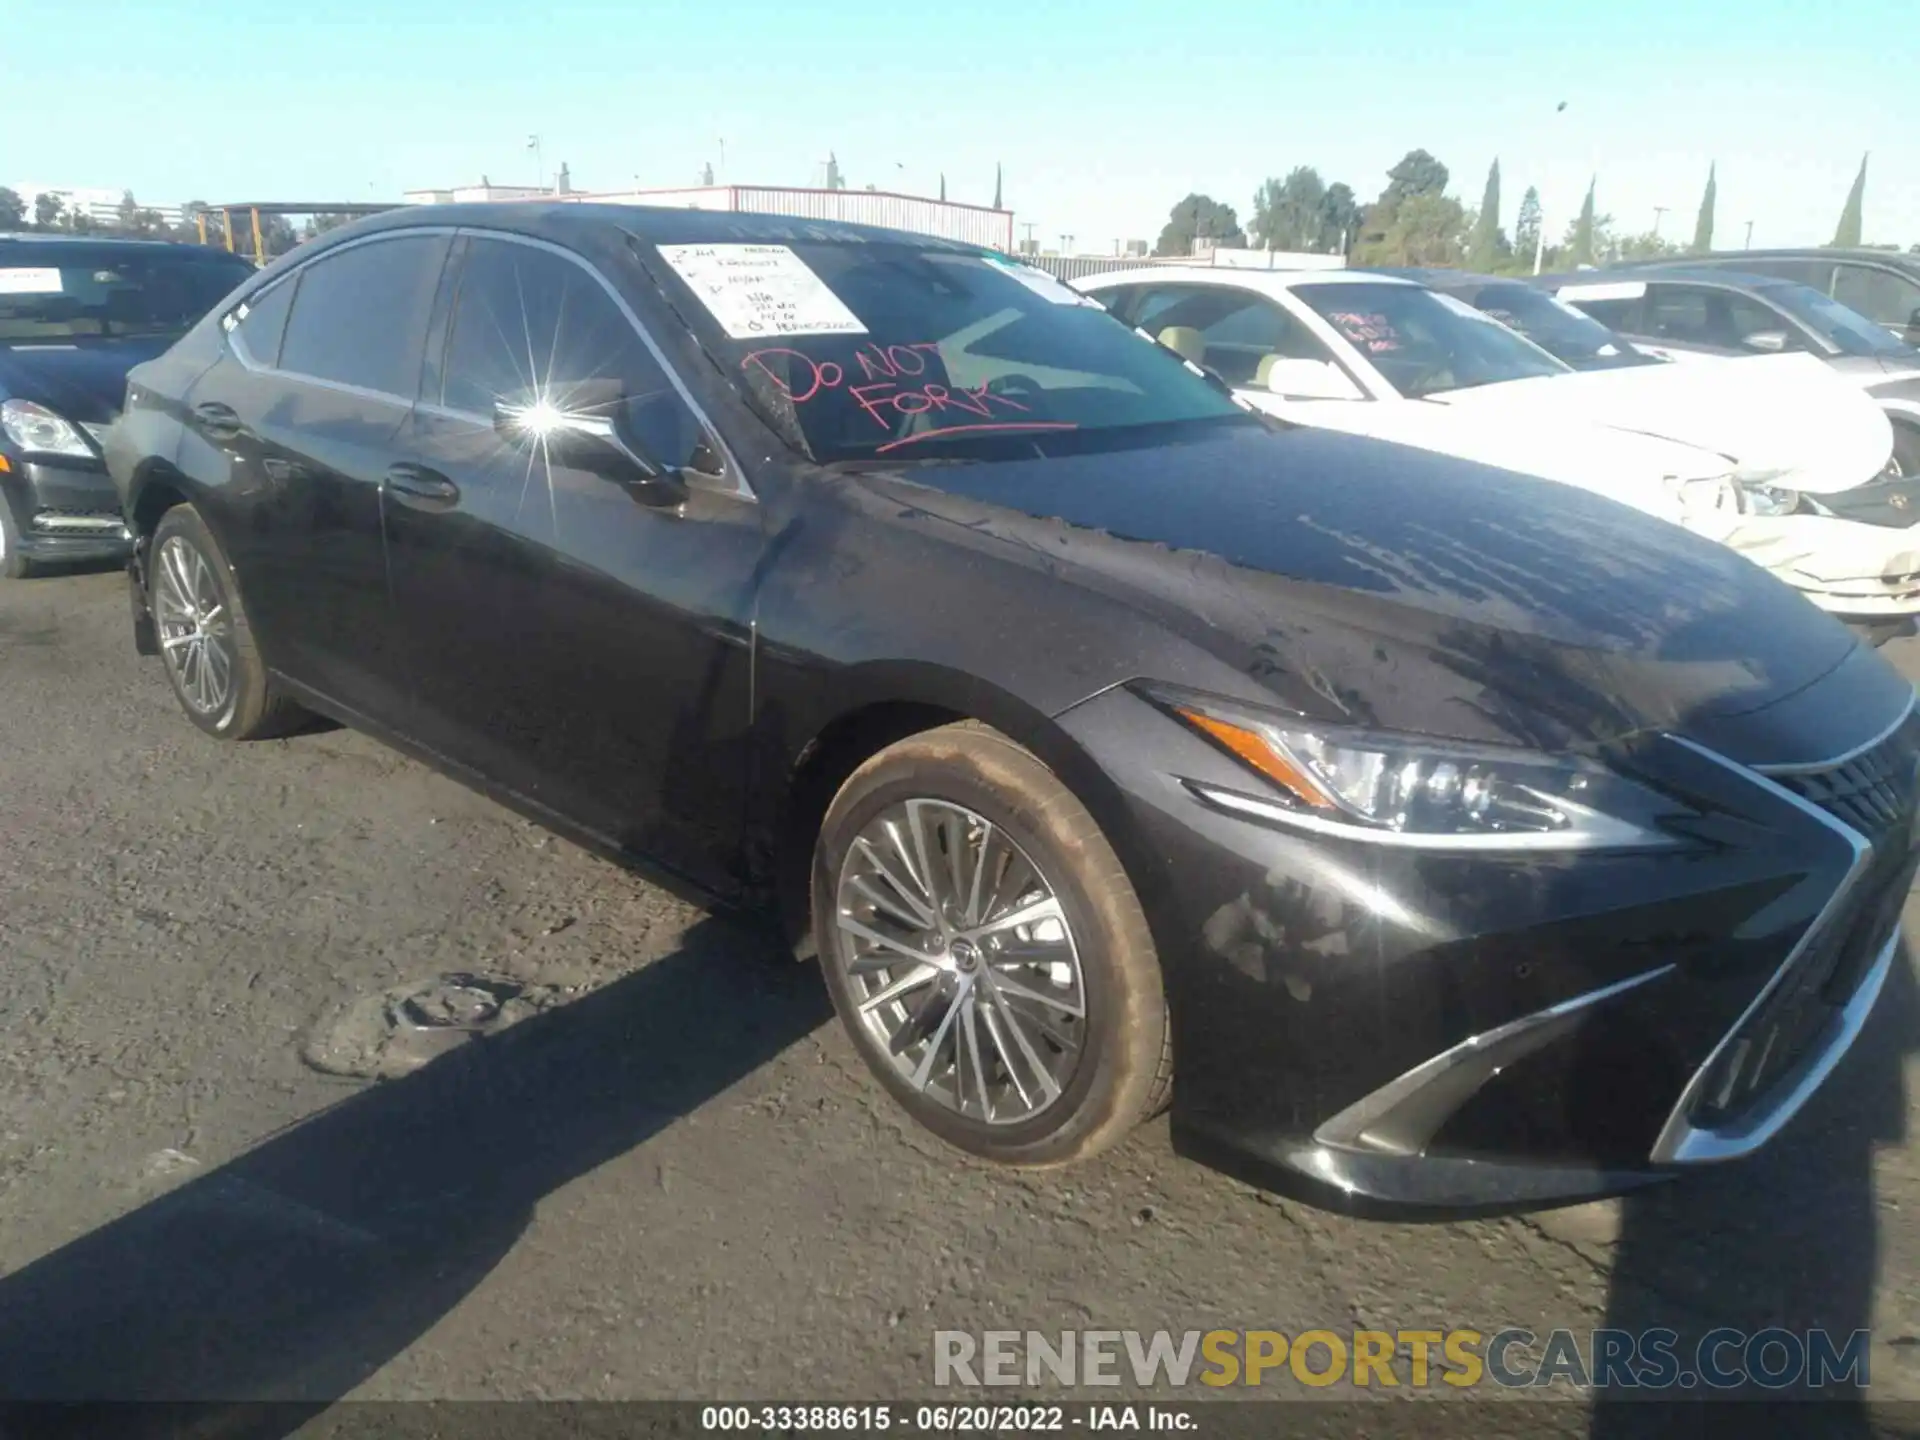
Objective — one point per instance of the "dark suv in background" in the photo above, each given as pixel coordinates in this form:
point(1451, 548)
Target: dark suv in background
point(76, 314)
point(1882, 285)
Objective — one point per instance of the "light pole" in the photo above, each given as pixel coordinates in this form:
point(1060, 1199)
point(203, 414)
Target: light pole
point(539, 163)
point(1659, 213)
point(1029, 227)
point(1749, 244)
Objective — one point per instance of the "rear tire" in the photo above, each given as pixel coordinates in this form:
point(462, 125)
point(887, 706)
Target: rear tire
point(206, 642)
point(1036, 1042)
point(14, 562)
point(1906, 450)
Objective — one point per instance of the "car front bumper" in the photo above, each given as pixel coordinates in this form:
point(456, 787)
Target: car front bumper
point(1851, 568)
point(65, 511)
point(1381, 1028)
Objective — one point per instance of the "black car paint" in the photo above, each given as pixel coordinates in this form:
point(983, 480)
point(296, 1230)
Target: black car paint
point(83, 379)
point(675, 685)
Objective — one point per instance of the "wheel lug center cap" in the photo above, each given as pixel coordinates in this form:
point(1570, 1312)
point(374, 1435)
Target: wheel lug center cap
point(966, 956)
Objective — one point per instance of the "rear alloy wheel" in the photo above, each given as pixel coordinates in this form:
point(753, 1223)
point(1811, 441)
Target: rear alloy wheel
point(205, 641)
point(986, 951)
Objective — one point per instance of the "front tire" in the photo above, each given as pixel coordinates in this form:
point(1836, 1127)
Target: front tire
point(14, 562)
point(987, 953)
point(206, 642)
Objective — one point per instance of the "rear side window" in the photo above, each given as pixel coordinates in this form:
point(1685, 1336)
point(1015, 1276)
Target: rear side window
point(528, 323)
point(360, 317)
point(262, 321)
point(1619, 316)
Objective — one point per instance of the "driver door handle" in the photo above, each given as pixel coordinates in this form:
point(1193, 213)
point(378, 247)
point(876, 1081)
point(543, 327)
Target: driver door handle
point(420, 487)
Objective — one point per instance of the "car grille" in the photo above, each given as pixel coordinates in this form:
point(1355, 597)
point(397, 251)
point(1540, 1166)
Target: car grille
point(79, 522)
point(1874, 794)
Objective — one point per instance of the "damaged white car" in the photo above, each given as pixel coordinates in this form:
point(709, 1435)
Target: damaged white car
point(1729, 453)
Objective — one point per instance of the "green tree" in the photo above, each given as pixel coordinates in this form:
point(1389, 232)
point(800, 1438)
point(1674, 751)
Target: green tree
point(1580, 240)
point(1483, 251)
point(1196, 218)
point(1418, 173)
point(47, 210)
point(1648, 246)
point(1339, 218)
point(835, 180)
point(1703, 226)
point(1288, 214)
point(1526, 227)
point(127, 218)
point(1848, 231)
point(13, 210)
point(1422, 230)
point(943, 187)
point(996, 188)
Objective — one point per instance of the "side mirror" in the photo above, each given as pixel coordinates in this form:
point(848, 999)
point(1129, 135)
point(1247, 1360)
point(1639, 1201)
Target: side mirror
point(589, 427)
point(1767, 342)
point(1307, 379)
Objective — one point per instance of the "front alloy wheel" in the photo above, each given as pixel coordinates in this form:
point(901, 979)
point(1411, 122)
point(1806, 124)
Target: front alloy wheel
point(986, 951)
point(962, 961)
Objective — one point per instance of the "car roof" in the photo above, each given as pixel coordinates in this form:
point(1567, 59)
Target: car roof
point(1898, 259)
point(1267, 280)
point(1691, 274)
point(565, 221)
point(96, 242)
point(1436, 277)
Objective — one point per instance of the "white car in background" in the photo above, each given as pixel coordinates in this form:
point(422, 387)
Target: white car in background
point(1726, 451)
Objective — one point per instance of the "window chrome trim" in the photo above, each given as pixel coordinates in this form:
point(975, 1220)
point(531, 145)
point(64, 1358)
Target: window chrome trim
point(1247, 806)
point(1837, 761)
point(1491, 1049)
point(738, 473)
point(1682, 1143)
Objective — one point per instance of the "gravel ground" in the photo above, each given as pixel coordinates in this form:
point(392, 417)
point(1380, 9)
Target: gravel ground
point(673, 1179)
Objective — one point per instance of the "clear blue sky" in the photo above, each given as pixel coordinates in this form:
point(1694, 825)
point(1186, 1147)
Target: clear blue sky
point(1103, 114)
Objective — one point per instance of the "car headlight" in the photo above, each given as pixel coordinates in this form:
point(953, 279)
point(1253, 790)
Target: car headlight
point(1421, 791)
point(1771, 500)
point(35, 428)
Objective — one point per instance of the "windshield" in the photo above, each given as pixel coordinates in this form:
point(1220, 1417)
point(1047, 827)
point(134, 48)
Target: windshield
point(65, 292)
point(1424, 342)
point(1848, 331)
point(904, 350)
point(1556, 327)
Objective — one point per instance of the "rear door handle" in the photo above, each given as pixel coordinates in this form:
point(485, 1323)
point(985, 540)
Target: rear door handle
point(420, 487)
point(217, 421)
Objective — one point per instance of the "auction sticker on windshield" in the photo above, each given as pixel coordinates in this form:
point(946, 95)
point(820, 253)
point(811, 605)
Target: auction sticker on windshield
point(29, 281)
point(760, 290)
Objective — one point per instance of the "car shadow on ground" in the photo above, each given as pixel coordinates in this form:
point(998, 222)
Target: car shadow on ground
point(294, 1272)
point(1788, 1239)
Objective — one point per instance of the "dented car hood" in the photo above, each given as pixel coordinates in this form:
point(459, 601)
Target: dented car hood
point(1397, 587)
point(1785, 420)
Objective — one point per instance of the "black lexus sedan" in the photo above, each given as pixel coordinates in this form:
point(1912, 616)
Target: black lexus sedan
point(77, 313)
point(1421, 834)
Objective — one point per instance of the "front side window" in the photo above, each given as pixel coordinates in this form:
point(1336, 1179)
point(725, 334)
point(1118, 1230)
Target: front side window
point(1229, 331)
point(1422, 342)
point(59, 293)
point(1841, 326)
point(529, 324)
point(904, 351)
point(360, 315)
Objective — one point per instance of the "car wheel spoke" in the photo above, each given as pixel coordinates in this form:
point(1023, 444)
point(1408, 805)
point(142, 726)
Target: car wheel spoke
point(960, 960)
